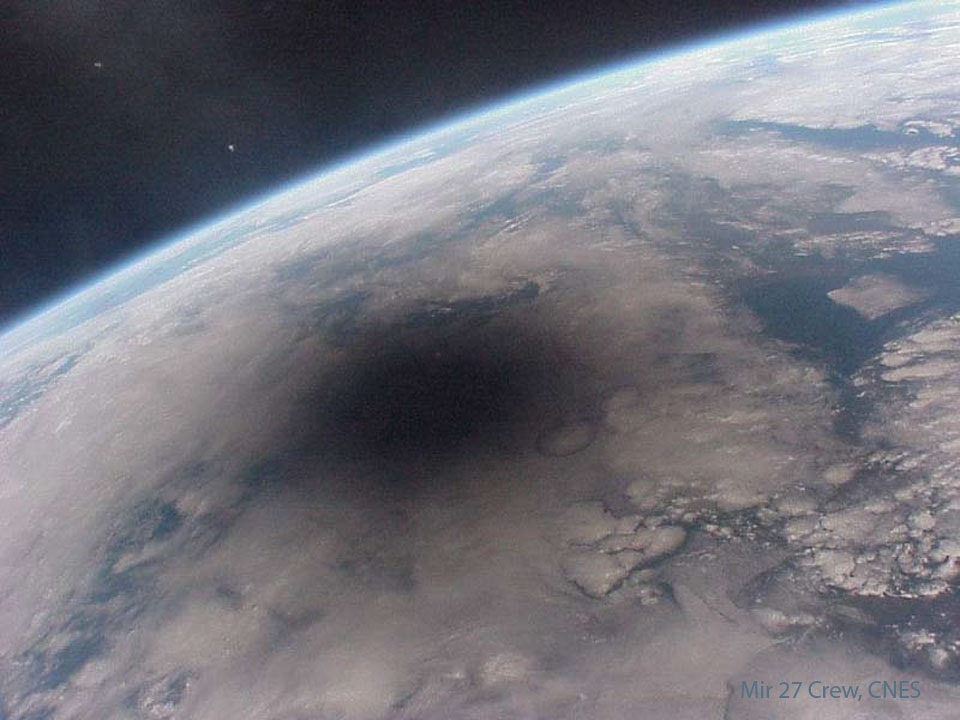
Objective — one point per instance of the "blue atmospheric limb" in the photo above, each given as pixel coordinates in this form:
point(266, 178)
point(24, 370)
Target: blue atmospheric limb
point(170, 256)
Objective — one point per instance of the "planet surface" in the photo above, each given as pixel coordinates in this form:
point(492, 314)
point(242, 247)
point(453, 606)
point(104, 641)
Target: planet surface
point(633, 398)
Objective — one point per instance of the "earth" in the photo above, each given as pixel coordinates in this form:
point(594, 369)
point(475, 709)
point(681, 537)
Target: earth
point(633, 398)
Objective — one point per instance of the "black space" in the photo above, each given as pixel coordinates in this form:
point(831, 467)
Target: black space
point(117, 114)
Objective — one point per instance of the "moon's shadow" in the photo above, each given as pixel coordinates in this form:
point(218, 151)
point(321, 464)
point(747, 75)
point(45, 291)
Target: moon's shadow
point(446, 393)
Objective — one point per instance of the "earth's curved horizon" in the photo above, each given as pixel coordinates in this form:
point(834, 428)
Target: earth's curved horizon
point(471, 119)
point(630, 397)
